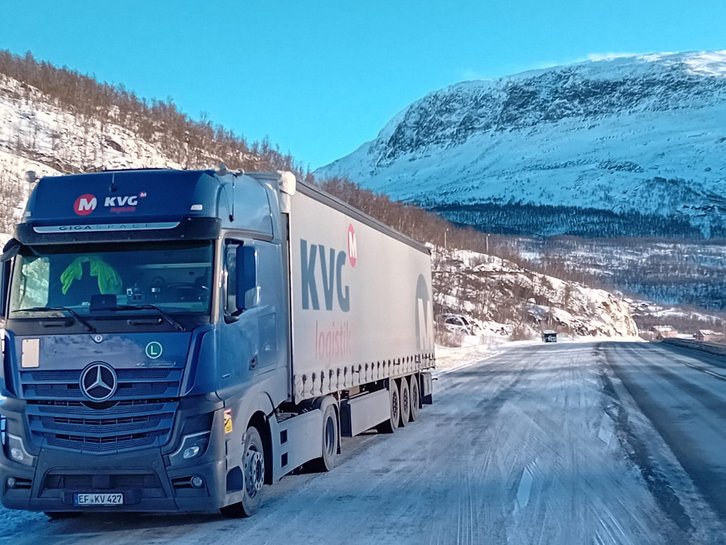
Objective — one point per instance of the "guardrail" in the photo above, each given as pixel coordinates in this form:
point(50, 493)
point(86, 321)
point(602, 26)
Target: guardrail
point(711, 348)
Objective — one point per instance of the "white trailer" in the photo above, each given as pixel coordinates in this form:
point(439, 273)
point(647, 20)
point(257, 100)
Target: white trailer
point(362, 310)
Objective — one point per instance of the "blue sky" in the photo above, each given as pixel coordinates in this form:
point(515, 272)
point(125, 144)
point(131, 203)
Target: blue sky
point(319, 78)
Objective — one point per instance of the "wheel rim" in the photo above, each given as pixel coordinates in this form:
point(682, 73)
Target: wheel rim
point(254, 467)
point(395, 408)
point(330, 437)
point(405, 404)
point(414, 398)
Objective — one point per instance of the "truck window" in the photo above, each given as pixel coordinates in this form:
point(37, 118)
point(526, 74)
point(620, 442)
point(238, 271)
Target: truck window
point(176, 277)
point(230, 272)
point(32, 283)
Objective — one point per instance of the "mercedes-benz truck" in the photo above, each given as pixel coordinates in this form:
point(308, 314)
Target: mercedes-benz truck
point(176, 340)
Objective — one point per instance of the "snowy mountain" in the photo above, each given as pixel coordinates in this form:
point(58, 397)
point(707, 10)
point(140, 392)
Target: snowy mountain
point(626, 146)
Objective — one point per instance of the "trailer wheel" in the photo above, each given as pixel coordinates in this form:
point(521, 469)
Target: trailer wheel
point(253, 469)
point(331, 437)
point(390, 425)
point(405, 395)
point(415, 396)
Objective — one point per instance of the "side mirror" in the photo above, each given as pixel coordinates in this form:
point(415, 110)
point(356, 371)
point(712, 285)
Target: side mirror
point(248, 293)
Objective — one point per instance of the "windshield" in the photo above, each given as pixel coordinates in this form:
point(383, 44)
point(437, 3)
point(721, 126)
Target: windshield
point(89, 280)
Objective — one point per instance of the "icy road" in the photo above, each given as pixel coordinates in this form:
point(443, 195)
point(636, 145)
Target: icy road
point(562, 444)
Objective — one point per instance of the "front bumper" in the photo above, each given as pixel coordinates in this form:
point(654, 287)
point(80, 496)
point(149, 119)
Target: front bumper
point(150, 480)
point(145, 483)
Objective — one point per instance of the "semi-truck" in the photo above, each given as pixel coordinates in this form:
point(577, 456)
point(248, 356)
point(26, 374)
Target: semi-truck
point(175, 340)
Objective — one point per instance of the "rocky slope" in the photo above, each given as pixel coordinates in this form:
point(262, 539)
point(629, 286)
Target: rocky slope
point(509, 300)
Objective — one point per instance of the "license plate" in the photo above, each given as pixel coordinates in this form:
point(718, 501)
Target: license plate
point(99, 499)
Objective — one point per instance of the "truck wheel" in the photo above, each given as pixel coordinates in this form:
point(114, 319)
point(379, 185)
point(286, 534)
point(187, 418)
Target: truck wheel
point(415, 396)
point(330, 441)
point(253, 469)
point(405, 395)
point(390, 425)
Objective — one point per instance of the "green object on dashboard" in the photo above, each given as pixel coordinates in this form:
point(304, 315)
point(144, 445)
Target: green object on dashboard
point(109, 281)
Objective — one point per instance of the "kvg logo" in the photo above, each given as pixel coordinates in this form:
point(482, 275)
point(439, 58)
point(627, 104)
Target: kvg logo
point(352, 246)
point(323, 268)
point(85, 204)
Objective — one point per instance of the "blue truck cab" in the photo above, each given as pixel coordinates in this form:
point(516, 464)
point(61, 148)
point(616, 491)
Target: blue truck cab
point(144, 312)
point(175, 340)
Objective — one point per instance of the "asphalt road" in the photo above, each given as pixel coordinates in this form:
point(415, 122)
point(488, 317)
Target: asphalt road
point(547, 444)
point(683, 392)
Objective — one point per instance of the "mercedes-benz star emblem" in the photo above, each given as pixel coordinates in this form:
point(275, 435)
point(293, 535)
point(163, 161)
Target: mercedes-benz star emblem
point(98, 381)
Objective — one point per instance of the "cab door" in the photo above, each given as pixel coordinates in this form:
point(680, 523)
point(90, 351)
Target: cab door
point(253, 333)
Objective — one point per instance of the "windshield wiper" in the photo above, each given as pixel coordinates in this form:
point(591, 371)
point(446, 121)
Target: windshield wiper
point(162, 313)
point(70, 311)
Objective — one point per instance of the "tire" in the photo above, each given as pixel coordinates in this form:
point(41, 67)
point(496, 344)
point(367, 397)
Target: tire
point(405, 395)
point(390, 425)
point(415, 390)
point(253, 469)
point(330, 438)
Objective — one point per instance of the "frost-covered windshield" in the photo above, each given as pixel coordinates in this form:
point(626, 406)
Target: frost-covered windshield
point(98, 279)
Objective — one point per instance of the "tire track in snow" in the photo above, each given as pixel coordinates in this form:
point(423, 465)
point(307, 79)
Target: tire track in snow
point(573, 480)
point(656, 481)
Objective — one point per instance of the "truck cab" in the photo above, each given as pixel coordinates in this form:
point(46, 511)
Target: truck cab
point(144, 313)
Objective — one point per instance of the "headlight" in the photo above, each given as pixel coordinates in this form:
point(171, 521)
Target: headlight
point(192, 446)
point(15, 450)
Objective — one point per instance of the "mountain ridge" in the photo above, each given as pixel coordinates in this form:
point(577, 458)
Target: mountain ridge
point(635, 136)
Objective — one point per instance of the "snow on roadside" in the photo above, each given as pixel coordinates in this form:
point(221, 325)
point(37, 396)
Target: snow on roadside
point(476, 349)
point(472, 351)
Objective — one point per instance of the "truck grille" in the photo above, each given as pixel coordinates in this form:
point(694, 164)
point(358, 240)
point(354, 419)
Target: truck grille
point(132, 384)
point(140, 414)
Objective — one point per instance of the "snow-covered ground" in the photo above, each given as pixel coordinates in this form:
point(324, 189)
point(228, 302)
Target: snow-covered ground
point(525, 443)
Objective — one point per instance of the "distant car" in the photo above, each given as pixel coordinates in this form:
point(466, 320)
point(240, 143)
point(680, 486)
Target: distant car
point(549, 336)
point(458, 323)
